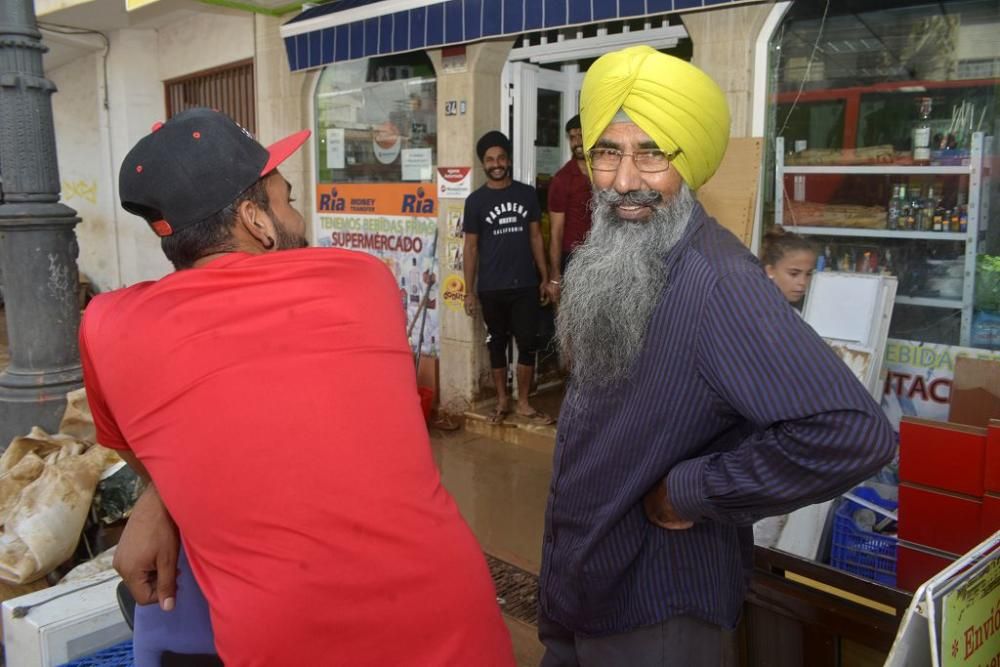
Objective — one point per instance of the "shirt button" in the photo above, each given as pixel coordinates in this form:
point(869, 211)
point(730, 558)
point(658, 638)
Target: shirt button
point(548, 539)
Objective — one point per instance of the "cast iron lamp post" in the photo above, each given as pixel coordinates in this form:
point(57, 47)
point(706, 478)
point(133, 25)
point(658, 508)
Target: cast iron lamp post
point(38, 247)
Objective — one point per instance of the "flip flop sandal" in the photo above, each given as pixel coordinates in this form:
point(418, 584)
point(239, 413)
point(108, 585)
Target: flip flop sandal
point(498, 416)
point(445, 423)
point(537, 417)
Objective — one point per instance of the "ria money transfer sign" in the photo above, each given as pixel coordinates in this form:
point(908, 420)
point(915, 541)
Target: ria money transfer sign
point(396, 223)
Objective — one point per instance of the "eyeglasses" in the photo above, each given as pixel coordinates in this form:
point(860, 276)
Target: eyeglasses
point(649, 160)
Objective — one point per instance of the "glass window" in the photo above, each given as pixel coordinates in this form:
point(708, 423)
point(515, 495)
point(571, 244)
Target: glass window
point(376, 120)
point(228, 89)
point(881, 126)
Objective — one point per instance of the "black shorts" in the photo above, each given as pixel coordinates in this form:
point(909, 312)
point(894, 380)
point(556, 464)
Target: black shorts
point(511, 312)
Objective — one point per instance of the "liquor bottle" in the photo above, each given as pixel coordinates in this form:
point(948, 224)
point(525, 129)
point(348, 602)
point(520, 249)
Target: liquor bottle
point(922, 133)
point(954, 224)
point(927, 214)
point(888, 268)
point(904, 208)
point(963, 213)
point(938, 216)
point(895, 205)
point(917, 207)
point(924, 221)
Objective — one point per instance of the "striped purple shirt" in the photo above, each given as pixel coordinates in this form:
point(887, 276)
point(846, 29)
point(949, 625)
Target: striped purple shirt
point(740, 406)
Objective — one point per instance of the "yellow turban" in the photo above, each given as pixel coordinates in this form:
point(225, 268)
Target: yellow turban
point(671, 100)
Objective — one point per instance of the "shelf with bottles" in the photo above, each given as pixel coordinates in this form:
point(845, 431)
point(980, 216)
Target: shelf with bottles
point(929, 274)
point(915, 200)
point(881, 169)
point(935, 142)
point(877, 233)
point(916, 208)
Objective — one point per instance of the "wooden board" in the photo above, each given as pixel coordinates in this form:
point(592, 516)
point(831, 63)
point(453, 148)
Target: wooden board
point(730, 196)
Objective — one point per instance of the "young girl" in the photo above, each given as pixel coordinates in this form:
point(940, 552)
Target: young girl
point(789, 260)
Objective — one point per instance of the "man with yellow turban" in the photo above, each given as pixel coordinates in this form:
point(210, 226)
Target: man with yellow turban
point(698, 401)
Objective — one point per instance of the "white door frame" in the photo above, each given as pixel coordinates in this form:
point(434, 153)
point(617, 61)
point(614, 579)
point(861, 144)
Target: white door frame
point(522, 77)
point(520, 82)
point(759, 108)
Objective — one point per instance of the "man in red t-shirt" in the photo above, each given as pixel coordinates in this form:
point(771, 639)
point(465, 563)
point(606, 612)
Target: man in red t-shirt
point(272, 399)
point(569, 207)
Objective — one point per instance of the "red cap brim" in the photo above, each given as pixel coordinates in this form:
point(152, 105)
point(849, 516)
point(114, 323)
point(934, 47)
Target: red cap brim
point(280, 150)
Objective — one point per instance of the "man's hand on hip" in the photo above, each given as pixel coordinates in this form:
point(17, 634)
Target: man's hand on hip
point(660, 511)
point(146, 557)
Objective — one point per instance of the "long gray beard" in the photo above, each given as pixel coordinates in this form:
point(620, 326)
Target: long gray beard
point(614, 282)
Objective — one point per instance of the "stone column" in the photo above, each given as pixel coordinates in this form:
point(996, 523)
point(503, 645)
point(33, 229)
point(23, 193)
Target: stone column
point(724, 39)
point(464, 361)
point(38, 246)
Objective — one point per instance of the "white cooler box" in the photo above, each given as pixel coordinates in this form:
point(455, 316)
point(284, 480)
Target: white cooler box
point(64, 622)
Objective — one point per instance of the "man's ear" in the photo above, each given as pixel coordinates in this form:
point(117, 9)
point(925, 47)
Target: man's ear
point(257, 224)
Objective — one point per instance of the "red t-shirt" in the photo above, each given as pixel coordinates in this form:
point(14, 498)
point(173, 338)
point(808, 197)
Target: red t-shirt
point(273, 400)
point(569, 193)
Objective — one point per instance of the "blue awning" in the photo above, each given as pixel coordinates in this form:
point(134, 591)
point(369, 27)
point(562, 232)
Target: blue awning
point(351, 29)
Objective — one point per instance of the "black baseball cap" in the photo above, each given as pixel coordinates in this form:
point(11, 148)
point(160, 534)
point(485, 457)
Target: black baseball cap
point(195, 164)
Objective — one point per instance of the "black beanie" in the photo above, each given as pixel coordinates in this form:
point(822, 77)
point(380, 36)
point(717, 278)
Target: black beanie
point(491, 139)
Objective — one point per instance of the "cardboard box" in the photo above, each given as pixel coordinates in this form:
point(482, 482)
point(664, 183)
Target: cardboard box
point(975, 391)
point(938, 519)
point(916, 564)
point(942, 455)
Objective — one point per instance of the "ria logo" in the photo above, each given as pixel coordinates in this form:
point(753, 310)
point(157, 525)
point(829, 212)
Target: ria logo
point(330, 201)
point(417, 204)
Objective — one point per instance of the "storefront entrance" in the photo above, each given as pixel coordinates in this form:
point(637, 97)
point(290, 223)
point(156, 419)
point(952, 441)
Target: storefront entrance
point(541, 88)
point(539, 102)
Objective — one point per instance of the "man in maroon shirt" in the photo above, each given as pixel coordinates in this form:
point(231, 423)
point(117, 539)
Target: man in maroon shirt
point(569, 207)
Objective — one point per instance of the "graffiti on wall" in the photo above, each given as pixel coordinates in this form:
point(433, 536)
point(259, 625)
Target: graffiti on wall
point(80, 189)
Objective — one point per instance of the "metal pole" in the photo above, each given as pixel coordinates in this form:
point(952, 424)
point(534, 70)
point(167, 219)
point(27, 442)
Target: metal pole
point(38, 246)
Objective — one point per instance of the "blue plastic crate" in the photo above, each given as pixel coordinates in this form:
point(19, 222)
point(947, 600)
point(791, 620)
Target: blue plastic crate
point(863, 552)
point(119, 655)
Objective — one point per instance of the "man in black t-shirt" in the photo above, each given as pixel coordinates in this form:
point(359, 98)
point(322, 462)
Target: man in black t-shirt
point(503, 244)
